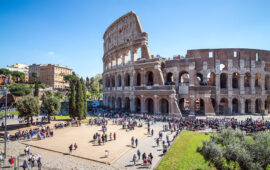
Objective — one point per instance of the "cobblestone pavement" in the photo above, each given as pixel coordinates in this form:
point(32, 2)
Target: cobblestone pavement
point(147, 146)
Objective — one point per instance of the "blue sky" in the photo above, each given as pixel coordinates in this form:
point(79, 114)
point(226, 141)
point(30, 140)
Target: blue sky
point(69, 32)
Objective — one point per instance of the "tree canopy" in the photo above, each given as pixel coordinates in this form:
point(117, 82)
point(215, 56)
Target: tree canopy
point(52, 106)
point(19, 89)
point(94, 87)
point(28, 106)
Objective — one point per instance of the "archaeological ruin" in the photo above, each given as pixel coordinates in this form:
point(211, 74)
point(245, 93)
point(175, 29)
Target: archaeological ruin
point(204, 82)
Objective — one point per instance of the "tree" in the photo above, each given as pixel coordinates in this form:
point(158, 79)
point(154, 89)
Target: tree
point(79, 100)
point(59, 95)
point(28, 107)
point(72, 100)
point(18, 76)
point(52, 106)
point(5, 71)
point(19, 89)
point(84, 98)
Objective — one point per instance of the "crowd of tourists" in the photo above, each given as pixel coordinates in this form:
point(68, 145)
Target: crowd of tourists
point(39, 132)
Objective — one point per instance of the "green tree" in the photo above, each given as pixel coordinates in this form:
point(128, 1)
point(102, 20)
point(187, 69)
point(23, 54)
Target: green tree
point(52, 106)
point(19, 89)
point(28, 107)
point(79, 100)
point(72, 100)
point(18, 76)
point(84, 98)
point(5, 72)
point(59, 95)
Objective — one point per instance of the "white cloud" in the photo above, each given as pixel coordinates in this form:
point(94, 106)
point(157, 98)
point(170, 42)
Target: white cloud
point(51, 53)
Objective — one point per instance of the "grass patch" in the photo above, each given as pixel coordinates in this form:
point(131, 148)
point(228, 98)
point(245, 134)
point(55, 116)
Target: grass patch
point(11, 112)
point(183, 154)
point(67, 117)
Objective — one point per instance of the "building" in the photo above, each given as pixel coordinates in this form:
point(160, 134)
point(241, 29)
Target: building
point(20, 68)
point(34, 68)
point(53, 75)
point(204, 82)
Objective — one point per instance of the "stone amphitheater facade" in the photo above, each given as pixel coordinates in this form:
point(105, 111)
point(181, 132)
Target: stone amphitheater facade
point(204, 82)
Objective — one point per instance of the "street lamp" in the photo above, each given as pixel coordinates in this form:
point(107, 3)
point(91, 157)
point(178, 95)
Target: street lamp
point(5, 136)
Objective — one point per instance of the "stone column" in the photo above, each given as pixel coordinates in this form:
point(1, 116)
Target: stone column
point(156, 105)
point(142, 72)
point(242, 105)
point(263, 82)
point(131, 54)
point(132, 103)
point(252, 83)
point(123, 103)
point(143, 109)
point(192, 104)
point(123, 80)
point(132, 77)
point(242, 88)
point(229, 82)
point(123, 57)
point(229, 105)
point(117, 58)
point(111, 61)
point(252, 105)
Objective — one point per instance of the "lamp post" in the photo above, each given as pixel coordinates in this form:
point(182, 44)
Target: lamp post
point(5, 136)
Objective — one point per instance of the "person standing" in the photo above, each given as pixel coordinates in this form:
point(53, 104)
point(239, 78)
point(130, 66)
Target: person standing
point(139, 154)
point(132, 141)
point(114, 136)
point(25, 165)
point(75, 146)
point(152, 132)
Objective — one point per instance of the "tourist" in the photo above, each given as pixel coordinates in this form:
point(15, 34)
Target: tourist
point(75, 146)
point(152, 132)
point(139, 154)
point(136, 142)
point(134, 159)
point(25, 165)
point(157, 141)
point(114, 136)
point(110, 136)
point(70, 148)
point(132, 141)
point(144, 159)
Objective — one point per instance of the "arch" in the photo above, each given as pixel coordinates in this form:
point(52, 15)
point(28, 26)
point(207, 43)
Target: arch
point(223, 106)
point(258, 106)
point(119, 80)
point(119, 103)
point(235, 106)
point(170, 80)
point(113, 103)
point(127, 104)
point(267, 82)
point(199, 78)
point(199, 106)
point(211, 79)
point(184, 77)
point(258, 80)
point(149, 105)
point(149, 78)
point(164, 106)
point(138, 79)
point(137, 105)
point(248, 106)
point(139, 53)
point(184, 105)
point(223, 80)
point(127, 79)
point(235, 80)
point(113, 81)
point(247, 79)
point(266, 105)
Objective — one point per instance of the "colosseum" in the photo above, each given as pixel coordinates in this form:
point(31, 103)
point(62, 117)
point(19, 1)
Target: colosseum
point(203, 82)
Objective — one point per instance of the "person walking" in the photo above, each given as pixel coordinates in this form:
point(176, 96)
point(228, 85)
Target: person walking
point(114, 136)
point(157, 141)
point(25, 165)
point(152, 132)
point(139, 154)
point(70, 148)
point(132, 141)
point(136, 142)
point(75, 146)
point(134, 159)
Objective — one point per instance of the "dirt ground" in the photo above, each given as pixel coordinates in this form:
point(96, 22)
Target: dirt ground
point(83, 136)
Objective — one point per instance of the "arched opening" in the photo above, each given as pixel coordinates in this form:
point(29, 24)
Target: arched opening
point(108, 82)
point(213, 102)
point(258, 106)
point(119, 103)
point(223, 80)
point(258, 80)
point(127, 80)
point(235, 80)
point(149, 78)
point(266, 105)
point(119, 80)
point(267, 82)
point(164, 106)
point(170, 80)
point(211, 79)
point(200, 78)
point(235, 106)
point(149, 106)
point(138, 79)
point(199, 107)
point(139, 53)
point(247, 79)
point(223, 107)
point(113, 81)
point(184, 77)
point(184, 105)
point(137, 105)
point(127, 104)
point(248, 106)
point(113, 103)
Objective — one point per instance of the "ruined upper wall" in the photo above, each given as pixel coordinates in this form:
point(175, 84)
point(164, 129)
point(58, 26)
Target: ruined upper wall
point(124, 30)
